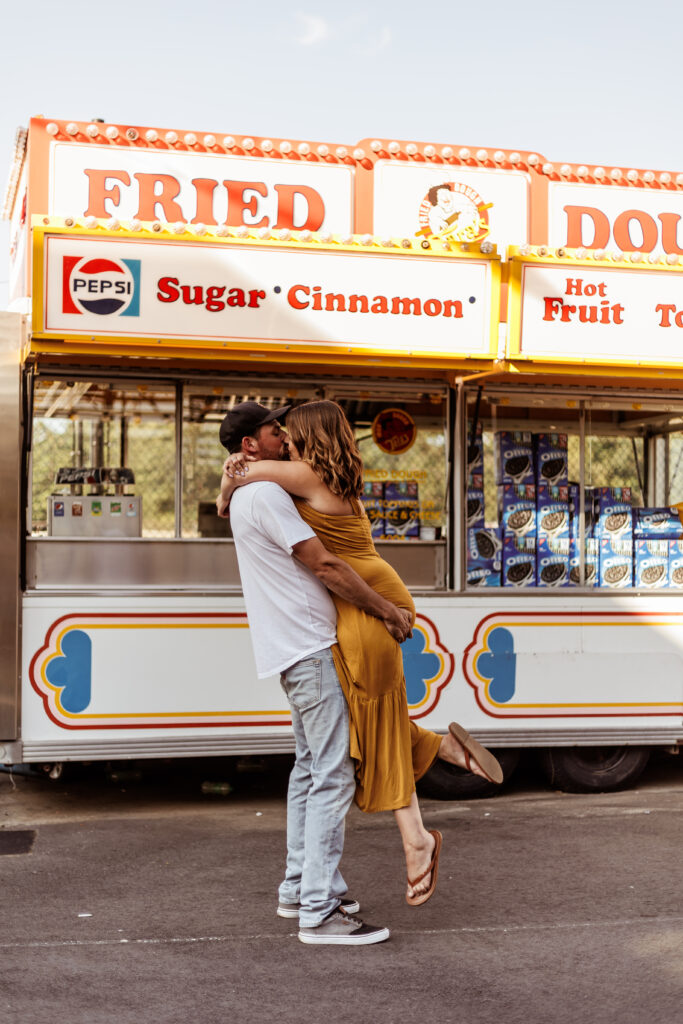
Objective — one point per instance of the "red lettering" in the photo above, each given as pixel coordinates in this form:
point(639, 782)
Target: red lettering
point(293, 299)
point(254, 296)
point(150, 198)
point(622, 232)
point(453, 307)
point(205, 188)
point(186, 290)
point(666, 309)
point(98, 192)
point(601, 229)
point(238, 205)
point(552, 306)
point(285, 207)
point(168, 291)
point(669, 223)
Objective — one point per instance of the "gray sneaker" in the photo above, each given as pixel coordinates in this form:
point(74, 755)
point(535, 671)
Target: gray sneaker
point(339, 929)
point(349, 905)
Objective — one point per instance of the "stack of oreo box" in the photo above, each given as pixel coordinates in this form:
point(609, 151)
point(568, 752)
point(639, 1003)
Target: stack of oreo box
point(483, 543)
point(657, 548)
point(613, 530)
point(534, 508)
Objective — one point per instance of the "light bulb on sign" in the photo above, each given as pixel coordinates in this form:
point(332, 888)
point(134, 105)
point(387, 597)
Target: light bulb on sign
point(359, 154)
point(548, 168)
point(464, 153)
point(229, 142)
point(303, 148)
point(200, 229)
point(135, 225)
point(323, 150)
point(430, 152)
point(179, 228)
point(305, 236)
point(565, 170)
point(171, 138)
point(285, 147)
point(615, 174)
point(284, 234)
point(92, 130)
point(411, 149)
point(71, 128)
point(665, 178)
point(534, 158)
point(242, 231)
point(222, 231)
point(632, 175)
point(209, 141)
point(247, 144)
point(267, 145)
point(499, 156)
point(582, 171)
point(447, 152)
point(482, 155)
point(112, 132)
point(264, 233)
point(113, 224)
point(394, 147)
point(375, 145)
point(599, 173)
point(515, 158)
point(151, 135)
point(341, 152)
point(90, 223)
point(51, 128)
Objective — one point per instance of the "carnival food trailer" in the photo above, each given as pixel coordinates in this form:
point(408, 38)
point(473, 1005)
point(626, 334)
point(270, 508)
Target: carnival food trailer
point(518, 407)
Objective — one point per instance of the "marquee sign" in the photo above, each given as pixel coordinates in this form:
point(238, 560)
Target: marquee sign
point(600, 310)
point(223, 292)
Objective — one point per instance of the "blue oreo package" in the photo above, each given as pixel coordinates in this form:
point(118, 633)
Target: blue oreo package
point(514, 457)
point(651, 564)
point(519, 561)
point(616, 563)
point(551, 459)
point(552, 562)
point(591, 563)
point(651, 523)
point(518, 509)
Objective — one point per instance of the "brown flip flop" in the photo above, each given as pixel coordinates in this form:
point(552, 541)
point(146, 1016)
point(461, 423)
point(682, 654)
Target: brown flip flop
point(422, 897)
point(484, 758)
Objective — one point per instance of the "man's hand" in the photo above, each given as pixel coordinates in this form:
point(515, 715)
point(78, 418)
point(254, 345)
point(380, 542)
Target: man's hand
point(399, 623)
point(236, 464)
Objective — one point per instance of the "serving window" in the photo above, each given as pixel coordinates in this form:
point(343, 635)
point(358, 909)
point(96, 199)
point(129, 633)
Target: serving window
point(573, 491)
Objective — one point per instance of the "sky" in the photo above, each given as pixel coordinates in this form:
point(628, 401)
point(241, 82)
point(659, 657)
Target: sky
point(592, 81)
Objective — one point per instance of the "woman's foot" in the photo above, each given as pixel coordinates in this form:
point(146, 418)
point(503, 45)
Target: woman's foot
point(418, 859)
point(459, 748)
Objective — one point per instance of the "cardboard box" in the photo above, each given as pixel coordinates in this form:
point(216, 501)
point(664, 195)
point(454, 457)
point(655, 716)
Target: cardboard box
point(551, 459)
point(650, 523)
point(373, 503)
point(614, 515)
point(475, 501)
point(552, 562)
point(484, 548)
point(616, 563)
point(481, 577)
point(401, 510)
point(514, 457)
point(519, 561)
point(518, 509)
point(651, 564)
point(675, 564)
point(591, 563)
point(552, 512)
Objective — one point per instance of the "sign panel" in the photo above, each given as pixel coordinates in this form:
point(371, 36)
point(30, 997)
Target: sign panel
point(472, 203)
point(625, 218)
point(593, 312)
point(208, 188)
point(225, 293)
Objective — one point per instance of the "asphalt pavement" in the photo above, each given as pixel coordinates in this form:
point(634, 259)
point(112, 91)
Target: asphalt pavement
point(141, 898)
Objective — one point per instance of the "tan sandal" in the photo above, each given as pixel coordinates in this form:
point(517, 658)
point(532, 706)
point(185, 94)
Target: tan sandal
point(422, 897)
point(484, 758)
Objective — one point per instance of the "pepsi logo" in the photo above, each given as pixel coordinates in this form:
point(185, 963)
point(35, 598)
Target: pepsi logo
point(105, 287)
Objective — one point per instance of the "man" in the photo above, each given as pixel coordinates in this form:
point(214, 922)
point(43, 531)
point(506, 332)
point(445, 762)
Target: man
point(286, 573)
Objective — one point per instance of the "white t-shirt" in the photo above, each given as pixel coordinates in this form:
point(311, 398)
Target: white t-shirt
point(291, 613)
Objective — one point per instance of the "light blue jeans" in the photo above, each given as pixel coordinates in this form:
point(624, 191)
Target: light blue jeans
point(321, 788)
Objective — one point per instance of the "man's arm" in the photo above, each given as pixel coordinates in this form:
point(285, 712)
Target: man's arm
point(341, 579)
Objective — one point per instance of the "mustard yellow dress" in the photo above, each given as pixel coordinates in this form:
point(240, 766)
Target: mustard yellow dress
point(390, 751)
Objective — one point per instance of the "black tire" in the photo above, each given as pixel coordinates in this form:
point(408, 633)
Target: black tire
point(444, 781)
point(593, 769)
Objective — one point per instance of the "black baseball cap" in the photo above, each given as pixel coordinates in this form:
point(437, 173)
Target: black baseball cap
point(244, 419)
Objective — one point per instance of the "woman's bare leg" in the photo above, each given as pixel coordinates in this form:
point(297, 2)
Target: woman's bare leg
point(452, 750)
point(418, 844)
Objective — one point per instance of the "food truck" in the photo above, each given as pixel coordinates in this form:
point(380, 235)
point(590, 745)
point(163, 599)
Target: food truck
point(501, 332)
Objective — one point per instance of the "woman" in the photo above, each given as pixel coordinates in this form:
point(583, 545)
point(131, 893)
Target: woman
point(391, 752)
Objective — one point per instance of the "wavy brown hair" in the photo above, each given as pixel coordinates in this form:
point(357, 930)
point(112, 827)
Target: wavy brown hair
point(323, 437)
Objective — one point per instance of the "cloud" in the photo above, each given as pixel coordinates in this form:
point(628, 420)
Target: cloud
point(314, 29)
point(383, 41)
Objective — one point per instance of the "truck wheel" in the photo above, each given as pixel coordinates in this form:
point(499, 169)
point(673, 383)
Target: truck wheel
point(444, 781)
point(593, 769)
